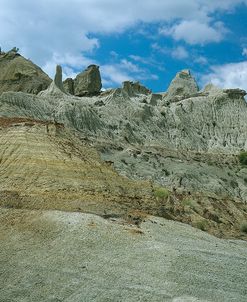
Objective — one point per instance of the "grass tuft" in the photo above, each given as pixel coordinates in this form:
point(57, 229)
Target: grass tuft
point(161, 193)
point(201, 224)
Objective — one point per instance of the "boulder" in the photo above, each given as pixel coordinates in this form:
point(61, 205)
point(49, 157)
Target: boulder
point(88, 82)
point(20, 74)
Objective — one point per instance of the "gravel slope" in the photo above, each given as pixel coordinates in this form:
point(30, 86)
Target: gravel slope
point(60, 256)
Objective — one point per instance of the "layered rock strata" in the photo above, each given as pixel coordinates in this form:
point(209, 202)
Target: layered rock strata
point(46, 167)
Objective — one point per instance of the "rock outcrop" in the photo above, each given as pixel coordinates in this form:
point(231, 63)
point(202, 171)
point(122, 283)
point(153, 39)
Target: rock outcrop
point(181, 87)
point(45, 166)
point(68, 85)
point(88, 82)
point(55, 89)
point(235, 93)
point(135, 89)
point(58, 78)
point(20, 74)
point(191, 144)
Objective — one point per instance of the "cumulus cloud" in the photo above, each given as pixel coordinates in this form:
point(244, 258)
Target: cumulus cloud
point(124, 70)
point(47, 29)
point(232, 75)
point(201, 60)
point(112, 74)
point(72, 64)
point(180, 53)
point(195, 32)
point(148, 61)
point(244, 52)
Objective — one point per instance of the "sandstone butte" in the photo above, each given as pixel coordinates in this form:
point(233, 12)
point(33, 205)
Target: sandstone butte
point(118, 170)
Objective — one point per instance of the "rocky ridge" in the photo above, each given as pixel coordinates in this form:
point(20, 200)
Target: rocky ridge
point(191, 144)
point(20, 74)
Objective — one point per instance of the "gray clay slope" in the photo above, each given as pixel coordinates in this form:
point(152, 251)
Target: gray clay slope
point(73, 257)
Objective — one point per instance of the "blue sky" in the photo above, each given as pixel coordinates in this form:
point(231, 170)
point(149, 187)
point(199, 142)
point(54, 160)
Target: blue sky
point(148, 40)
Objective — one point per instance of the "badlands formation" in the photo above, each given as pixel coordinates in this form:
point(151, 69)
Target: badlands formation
point(95, 185)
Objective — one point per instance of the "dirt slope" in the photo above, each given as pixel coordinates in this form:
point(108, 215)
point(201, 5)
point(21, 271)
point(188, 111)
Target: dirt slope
point(45, 166)
point(73, 257)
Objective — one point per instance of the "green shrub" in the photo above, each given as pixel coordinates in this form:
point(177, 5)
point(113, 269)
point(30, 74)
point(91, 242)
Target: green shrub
point(243, 157)
point(201, 224)
point(161, 193)
point(243, 227)
point(189, 203)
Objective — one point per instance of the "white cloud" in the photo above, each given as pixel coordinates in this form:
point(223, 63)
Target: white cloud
point(46, 29)
point(155, 46)
point(114, 54)
point(112, 74)
point(131, 67)
point(73, 19)
point(124, 70)
point(244, 52)
point(232, 75)
point(72, 64)
point(148, 61)
point(201, 60)
point(195, 32)
point(180, 53)
point(139, 59)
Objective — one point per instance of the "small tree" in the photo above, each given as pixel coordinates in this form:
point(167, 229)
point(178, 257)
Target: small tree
point(243, 157)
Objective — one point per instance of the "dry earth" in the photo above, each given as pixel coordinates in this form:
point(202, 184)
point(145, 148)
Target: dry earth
point(72, 257)
point(45, 166)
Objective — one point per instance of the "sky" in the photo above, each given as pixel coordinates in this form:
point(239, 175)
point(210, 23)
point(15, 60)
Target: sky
point(142, 40)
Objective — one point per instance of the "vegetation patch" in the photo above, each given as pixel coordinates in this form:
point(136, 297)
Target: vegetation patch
point(243, 157)
point(161, 193)
point(243, 227)
point(201, 224)
point(189, 203)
